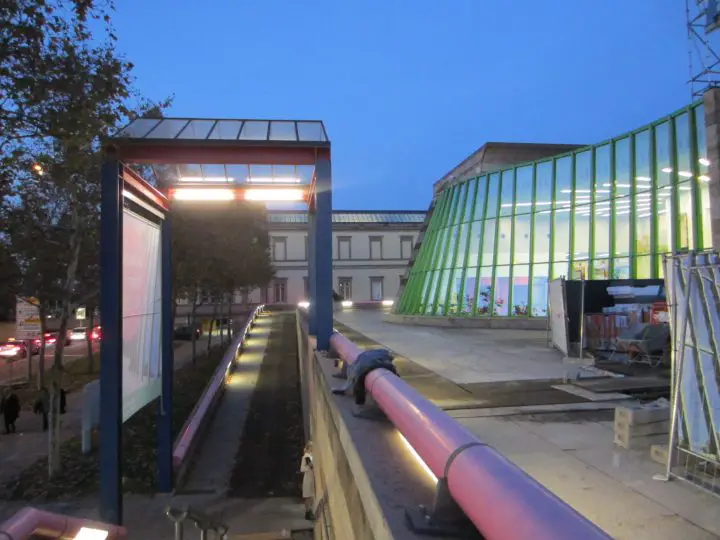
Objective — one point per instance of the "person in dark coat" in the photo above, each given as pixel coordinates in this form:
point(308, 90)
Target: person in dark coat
point(10, 408)
point(63, 401)
point(42, 406)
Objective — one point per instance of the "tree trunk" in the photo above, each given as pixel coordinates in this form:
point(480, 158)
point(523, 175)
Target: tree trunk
point(193, 326)
point(212, 324)
point(90, 356)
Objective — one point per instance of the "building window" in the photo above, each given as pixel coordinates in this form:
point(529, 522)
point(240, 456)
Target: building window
point(280, 291)
point(345, 286)
point(279, 249)
point(376, 247)
point(406, 245)
point(344, 248)
point(376, 289)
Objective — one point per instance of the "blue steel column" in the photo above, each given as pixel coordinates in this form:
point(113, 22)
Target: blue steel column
point(312, 283)
point(164, 421)
point(323, 253)
point(111, 247)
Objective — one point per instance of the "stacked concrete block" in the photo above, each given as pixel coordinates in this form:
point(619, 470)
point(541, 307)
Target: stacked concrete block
point(659, 454)
point(641, 426)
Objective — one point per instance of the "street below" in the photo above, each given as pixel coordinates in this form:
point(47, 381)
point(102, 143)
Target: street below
point(16, 370)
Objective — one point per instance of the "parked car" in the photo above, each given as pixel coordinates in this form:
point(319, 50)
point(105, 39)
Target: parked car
point(185, 332)
point(34, 346)
point(12, 350)
point(79, 334)
point(52, 337)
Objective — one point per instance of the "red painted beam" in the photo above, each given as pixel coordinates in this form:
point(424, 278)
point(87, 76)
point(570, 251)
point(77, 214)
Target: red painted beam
point(221, 154)
point(137, 184)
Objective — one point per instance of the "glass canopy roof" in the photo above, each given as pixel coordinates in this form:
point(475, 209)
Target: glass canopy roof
point(209, 129)
point(206, 174)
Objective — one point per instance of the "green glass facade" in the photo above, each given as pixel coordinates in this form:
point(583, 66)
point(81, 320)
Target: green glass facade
point(605, 211)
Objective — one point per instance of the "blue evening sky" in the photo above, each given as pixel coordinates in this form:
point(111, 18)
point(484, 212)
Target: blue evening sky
point(408, 88)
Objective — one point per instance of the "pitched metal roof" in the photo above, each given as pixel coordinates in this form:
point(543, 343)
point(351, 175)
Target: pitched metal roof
point(353, 216)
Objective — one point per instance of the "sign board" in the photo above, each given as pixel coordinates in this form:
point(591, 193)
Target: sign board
point(80, 313)
point(558, 315)
point(27, 318)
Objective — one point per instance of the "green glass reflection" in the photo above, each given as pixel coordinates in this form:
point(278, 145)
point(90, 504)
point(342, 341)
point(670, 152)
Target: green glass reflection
point(493, 196)
point(539, 290)
point(703, 178)
point(470, 200)
point(501, 291)
point(484, 294)
point(520, 290)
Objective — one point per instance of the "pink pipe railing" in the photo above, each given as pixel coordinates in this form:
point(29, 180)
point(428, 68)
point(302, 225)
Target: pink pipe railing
point(185, 441)
point(31, 522)
point(501, 500)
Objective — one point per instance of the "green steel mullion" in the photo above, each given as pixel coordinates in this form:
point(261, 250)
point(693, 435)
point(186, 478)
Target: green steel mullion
point(573, 209)
point(462, 200)
point(495, 245)
point(533, 196)
point(591, 247)
point(633, 210)
point(481, 239)
point(468, 239)
point(513, 209)
point(653, 204)
point(438, 238)
point(553, 207)
point(445, 248)
point(613, 210)
point(695, 181)
point(674, 183)
point(427, 253)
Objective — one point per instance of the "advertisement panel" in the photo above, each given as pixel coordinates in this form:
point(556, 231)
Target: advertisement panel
point(27, 318)
point(558, 317)
point(141, 313)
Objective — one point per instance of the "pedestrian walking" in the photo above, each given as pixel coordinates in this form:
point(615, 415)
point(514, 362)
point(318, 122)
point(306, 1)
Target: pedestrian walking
point(307, 469)
point(10, 409)
point(42, 406)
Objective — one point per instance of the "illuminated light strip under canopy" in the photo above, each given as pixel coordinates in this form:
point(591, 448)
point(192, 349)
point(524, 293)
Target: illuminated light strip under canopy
point(273, 180)
point(267, 194)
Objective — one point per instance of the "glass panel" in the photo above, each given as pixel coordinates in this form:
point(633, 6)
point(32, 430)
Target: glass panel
point(662, 154)
point(493, 196)
point(643, 179)
point(520, 296)
point(506, 194)
point(643, 211)
point(215, 173)
point(475, 241)
point(664, 221)
point(480, 199)
point(431, 292)
point(601, 232)
point(139, 127)
point(482, 307)
point(454, 235)
point(504, 241)
point(197, 129)
point(539, 290)
point(460, 207)
point(580, 270)
point(442, 293)
point(469, 291)
point(501, 293)
point(541, 236)
point(311, 131)
point(561, 234)
point(643, 267)
point(523, 189)
point(470, 200)
point(488, 245)
point(254, 130)
point(226, 129)
point(522, 238)
point(704, 177)
point(460, 252)
point(456, 283)
point(282, 131)
point(623, 183)
point(167, 129)
point(621, 268)
point(682, 143)
point(563, 183)
point(581, 231)
point(623, 209)
point(452, 216)
point(685, 216)
point(601, 269)
point(543, 186)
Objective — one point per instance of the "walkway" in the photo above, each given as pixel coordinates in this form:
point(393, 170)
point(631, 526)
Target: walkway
point(30, 443)
point(570, 449)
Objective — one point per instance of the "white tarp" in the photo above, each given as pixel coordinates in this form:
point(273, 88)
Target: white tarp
point(558, 317)
point(141, 312)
